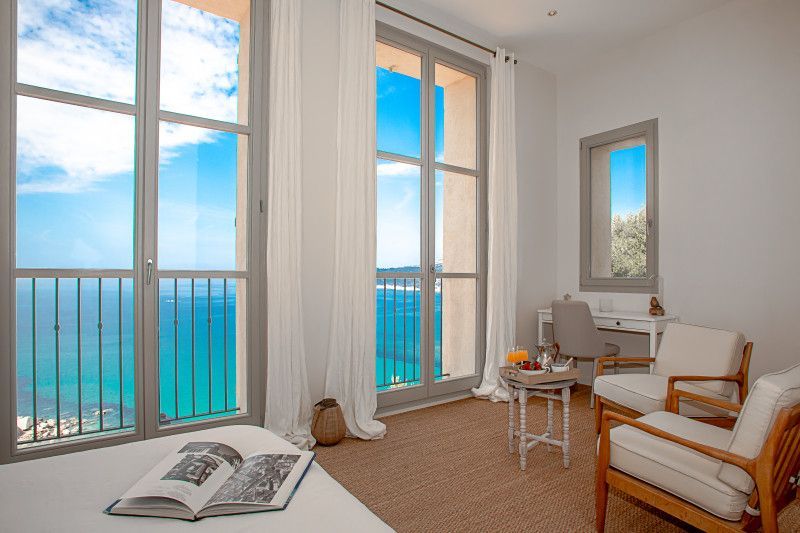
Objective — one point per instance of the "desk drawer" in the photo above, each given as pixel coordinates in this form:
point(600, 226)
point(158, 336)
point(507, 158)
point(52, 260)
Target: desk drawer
point(613, 323)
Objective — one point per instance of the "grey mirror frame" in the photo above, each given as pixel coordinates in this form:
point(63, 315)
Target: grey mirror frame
point(648, 284)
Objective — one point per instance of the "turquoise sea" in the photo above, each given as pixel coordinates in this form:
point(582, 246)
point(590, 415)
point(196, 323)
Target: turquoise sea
point(200, 386)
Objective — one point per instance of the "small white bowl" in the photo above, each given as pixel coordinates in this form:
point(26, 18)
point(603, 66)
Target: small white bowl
point(559, 368)
point(534, 372)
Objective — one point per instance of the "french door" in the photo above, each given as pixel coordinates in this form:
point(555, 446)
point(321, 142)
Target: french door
point(133, 234)
point(430, 203)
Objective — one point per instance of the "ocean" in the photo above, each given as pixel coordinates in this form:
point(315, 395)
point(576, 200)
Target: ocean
point(398, 343)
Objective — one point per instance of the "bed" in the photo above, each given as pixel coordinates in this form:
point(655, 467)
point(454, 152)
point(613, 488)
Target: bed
point(69, 492)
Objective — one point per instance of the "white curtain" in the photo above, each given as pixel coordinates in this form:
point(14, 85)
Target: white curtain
point(288, 405)
point(501, 293)
point(350, 374)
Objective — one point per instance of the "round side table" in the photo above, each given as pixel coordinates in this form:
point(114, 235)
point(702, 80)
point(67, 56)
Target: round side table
point(555, 390)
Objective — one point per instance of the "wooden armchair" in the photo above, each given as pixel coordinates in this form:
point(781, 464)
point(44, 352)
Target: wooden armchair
point(703, 360)
point(710, 477)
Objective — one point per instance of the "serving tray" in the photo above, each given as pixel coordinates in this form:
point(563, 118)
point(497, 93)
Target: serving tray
point(512, 374)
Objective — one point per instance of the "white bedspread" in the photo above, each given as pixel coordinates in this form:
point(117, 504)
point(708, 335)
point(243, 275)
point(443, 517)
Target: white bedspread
point(69, 493)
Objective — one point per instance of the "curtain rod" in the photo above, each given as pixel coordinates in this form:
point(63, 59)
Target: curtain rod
point(439, 28)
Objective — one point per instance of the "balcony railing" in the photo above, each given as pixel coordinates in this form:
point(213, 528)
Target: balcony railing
point(197, 348)
point(398, 305)
point(74, 358)
point(398, 332)
point(75, 361)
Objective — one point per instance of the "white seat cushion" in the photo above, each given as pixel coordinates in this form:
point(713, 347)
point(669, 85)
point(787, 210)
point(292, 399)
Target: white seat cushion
point(770, 394)
point(687, 350)
point(676, 469)
point(647, 393)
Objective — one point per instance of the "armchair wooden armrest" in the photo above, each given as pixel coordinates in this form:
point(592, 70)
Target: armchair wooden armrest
point(675, 395)
point(736, 378)
point(748, 465)
point(601, 361)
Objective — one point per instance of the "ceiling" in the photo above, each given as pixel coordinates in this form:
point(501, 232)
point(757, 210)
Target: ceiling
point(559, 43)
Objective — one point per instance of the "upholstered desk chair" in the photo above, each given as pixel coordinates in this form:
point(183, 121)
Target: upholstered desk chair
point(713, 478)
point(706, 361)
point(575, 332)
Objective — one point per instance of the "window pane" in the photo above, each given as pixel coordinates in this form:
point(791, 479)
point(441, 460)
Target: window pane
point(87, 48)
point(398, 310)
point(201, 348)
point(75, 358)
point(619, 212)
point(202, 199)
point(456, 222)
point(75, 186)
point(398, 75)
point(399, 204)
point(454, 327)
point(205, 58)
point(456, 118)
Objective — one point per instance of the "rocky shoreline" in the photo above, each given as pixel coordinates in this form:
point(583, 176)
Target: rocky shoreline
point(46, 427)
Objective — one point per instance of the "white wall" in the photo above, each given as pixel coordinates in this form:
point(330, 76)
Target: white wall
point(536, 125)
point(725, 87)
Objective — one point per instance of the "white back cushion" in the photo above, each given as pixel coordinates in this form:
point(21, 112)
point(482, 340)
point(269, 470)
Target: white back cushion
point(770, 394)
point(687, 350)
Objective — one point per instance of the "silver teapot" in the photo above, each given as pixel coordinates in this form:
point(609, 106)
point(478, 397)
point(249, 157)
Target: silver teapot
point(547, 353)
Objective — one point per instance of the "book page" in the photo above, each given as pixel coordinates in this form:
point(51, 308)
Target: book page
point(191, 475)
point(259, 479)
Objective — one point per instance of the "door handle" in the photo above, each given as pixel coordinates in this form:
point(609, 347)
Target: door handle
point(149, 271)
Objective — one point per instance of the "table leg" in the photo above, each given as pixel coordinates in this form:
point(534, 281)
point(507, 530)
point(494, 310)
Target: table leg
point(565, 437)
point(523, 445)
point(510, 391)
point(549, 421)
point(653, 339)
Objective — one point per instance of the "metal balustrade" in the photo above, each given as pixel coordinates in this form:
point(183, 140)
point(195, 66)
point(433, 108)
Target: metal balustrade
point(75, 359)
point(399, 343)
point(49, 310)
point(226, 297)
point(398, 304)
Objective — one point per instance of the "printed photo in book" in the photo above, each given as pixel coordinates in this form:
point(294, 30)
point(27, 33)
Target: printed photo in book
point(204, 479)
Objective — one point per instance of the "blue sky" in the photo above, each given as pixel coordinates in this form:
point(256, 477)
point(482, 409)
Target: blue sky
point(76, 166)
point(399, 184)
point(628, 182)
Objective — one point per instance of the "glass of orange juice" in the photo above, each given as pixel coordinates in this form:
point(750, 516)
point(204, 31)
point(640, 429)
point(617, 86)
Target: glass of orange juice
point(517, 354)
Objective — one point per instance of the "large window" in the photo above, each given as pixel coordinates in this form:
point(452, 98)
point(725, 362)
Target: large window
point(132, 225)
point(430, 259)
point(619, 210)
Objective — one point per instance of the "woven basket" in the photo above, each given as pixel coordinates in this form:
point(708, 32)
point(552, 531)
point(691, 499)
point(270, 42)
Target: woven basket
point(328, 425)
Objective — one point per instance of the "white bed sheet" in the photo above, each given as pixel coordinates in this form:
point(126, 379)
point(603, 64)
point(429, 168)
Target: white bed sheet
point(69, 492)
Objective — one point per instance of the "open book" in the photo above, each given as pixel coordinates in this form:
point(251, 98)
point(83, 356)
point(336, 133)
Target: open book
point(204, 479)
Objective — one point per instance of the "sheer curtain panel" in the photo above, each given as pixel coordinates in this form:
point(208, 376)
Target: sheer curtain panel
point(288, 405)
point(501, 287)
point(350, 374)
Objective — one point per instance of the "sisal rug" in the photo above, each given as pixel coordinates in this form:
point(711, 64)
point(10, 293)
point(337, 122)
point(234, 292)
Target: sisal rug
point(447, 468)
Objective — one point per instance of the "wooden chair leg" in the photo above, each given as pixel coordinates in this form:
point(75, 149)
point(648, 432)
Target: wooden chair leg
point(598, 415)
point(766, 501)
point(601, 482)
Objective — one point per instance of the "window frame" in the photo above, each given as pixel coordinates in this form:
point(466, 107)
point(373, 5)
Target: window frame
point(432, 54)
point(648, 284)
point(148, 115)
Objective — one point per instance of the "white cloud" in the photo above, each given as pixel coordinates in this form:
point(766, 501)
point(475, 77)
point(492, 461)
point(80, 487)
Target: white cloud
point(91, 50)
point(67, 149)
point(199, 63)
point(72, 47)
point(393, 168)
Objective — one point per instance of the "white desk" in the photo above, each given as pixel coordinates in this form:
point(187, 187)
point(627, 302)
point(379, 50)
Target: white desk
point(641, 323)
